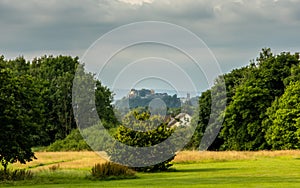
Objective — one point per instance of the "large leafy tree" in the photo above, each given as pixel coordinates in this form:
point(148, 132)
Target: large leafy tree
point(243, 129)
point(139, 129)
point(250, 91)
point(103, 101)
point(283, 120)
point(204, 114)
point(19, 112)
point(55, 76)
point(52, 78)
point(200, 119)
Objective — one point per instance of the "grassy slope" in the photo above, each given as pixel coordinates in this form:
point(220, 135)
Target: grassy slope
point(222, 169)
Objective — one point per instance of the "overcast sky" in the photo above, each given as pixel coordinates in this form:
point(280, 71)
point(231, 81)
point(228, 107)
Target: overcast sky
point(234, 30)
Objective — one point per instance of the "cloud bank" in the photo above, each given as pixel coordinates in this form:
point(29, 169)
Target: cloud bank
point(235, 30)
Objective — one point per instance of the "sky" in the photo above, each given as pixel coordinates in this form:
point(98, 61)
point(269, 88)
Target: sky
point(234, 31)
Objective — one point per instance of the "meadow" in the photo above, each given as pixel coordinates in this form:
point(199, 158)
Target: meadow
point(191, 169)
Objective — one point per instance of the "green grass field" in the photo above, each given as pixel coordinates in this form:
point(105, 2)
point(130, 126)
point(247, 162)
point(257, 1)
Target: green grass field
point(215, 169)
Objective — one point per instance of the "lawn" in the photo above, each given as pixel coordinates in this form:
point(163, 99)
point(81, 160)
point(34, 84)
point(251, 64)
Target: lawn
point(193, 169)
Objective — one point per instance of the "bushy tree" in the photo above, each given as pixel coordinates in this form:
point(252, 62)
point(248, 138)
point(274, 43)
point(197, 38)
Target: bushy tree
point(201, 118)
point(55, 76)
point(243, 129)
point(203, 114)
point(250, 92)
point(283, 120)
point(103, 101)
point(19, 109)
point(153, 130)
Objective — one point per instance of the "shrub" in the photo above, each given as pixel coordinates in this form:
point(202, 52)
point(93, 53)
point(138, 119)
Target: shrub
point(15, 175)
point(73, 142)
point(111, 170)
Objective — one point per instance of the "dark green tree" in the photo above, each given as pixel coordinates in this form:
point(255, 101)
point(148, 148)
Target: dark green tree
point(203, 114)
point(104, 100)
point(201, 118)
point(139, 129)
point(55, 76)
point(19, 111)
point(243, 129)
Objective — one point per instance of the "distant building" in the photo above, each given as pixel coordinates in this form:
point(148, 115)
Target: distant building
point(181, 120)
point(187, 99)
point(140, 93)
point(132, 93)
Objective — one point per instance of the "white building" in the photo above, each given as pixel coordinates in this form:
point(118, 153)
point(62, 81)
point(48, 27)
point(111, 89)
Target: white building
point(181, 120)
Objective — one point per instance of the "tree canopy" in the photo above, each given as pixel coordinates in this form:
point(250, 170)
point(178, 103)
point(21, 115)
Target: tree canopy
point(251, 91)
point(139, 129)
point(283, 120)
point(36, 104)
point(18, 117)
point(262, 107)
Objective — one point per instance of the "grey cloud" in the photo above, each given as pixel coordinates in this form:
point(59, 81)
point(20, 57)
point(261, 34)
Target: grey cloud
point(237, 25)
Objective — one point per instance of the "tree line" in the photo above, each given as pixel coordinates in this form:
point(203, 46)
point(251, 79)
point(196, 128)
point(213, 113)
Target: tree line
point(262, 106)
point(36, 104)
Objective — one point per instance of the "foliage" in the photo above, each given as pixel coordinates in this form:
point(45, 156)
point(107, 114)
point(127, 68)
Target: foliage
point(55, 76)
point(110, 170)
point(284, 119)
point(201, 119)
point(86, 115)
point(209, 117)
point(139, 129)
point(18, 117)
point(51, 80)
point(36, 108)
point(15, 175)
point(295, 75)
point(243, 128)
point(250, 92)
point(73, 142)
point(98, 137)
point(103, 100)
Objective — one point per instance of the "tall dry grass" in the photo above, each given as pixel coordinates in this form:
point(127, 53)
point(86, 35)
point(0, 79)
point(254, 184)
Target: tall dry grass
point(203, 156)
point(86, 159)
point(65, 160)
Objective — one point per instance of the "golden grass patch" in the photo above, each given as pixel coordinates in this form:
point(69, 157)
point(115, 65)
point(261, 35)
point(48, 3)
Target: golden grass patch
point(65, 160)
point(196, 156)
point(87, 159)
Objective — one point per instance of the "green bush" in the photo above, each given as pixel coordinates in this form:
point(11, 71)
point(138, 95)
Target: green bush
point(111, 170)
point(73, 142)
point(15, 175)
